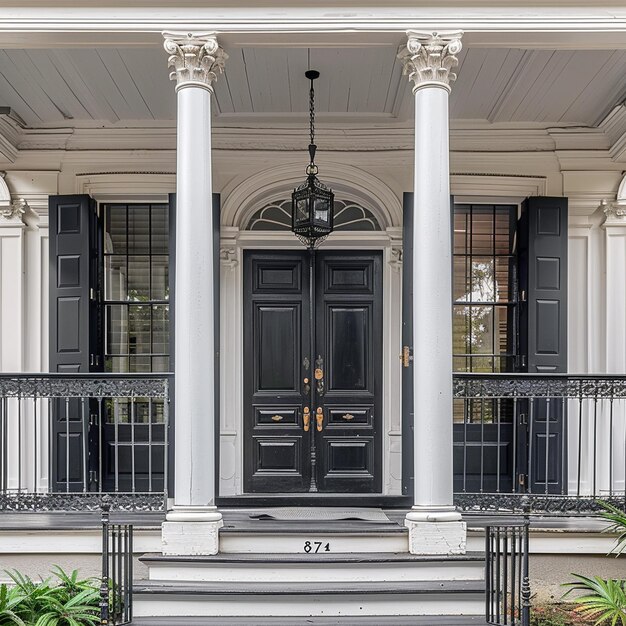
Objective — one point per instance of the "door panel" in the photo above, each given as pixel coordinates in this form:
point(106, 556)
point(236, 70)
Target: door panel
point(276, 301)
point(340, 450)
point(349, 340)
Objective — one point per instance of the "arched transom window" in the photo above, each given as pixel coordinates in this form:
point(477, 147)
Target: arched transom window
point(348, 216)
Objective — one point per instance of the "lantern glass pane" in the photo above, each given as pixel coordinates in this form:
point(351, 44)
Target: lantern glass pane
point(302, 214)
point(321, 209)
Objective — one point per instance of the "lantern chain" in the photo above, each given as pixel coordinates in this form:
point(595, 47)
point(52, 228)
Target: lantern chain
point(312, 114)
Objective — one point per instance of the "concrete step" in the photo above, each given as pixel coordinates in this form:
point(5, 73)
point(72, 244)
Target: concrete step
point(305, 599)
point(320, 567)
point(298, 539)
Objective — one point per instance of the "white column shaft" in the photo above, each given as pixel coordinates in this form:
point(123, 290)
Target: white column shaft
point(194, 314)
point(432, 302)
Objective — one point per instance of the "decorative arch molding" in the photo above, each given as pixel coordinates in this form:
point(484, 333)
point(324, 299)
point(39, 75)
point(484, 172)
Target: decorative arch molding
point(242, 199)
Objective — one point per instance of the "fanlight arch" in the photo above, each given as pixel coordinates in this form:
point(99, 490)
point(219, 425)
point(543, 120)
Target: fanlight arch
point(348, 216)
point(243, 199)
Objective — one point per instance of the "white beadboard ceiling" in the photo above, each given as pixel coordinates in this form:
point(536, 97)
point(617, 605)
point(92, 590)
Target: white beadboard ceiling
point(262, 84)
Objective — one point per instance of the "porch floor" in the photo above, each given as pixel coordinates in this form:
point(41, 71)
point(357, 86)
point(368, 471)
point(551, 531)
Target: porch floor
point(239, 520)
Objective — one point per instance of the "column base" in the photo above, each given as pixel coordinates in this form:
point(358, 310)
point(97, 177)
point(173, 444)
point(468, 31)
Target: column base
point(191, 531)
point(439, 531)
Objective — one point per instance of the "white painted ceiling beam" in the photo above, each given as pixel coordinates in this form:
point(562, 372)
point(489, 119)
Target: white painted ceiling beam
point(557, 26)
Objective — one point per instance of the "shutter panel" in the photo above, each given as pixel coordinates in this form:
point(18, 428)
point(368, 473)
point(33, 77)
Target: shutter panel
point(407, 342)
point(74, 330)
point(543, 331)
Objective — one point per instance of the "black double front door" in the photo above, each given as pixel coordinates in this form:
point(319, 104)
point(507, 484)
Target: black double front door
point(312, 372)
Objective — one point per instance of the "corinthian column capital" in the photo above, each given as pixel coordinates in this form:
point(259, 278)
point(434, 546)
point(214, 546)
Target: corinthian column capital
point(196, 59)
point(428, 57)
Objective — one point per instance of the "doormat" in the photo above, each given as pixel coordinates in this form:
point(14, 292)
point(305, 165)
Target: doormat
point(294, 513)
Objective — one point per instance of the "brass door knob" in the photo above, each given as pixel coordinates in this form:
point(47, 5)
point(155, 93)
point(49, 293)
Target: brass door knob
point(306, 419)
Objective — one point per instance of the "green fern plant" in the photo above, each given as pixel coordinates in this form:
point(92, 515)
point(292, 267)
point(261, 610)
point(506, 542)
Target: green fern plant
point(604, 600)
point(10, 599)
point(71, 601)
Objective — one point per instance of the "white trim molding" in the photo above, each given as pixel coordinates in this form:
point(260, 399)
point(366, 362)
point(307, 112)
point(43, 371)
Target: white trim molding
point(241, 198)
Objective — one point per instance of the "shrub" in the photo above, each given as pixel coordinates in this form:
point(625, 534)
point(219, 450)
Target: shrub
point(69, 601)
point(604, 600)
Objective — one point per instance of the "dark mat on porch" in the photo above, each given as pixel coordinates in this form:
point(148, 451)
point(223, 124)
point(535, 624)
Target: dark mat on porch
point(294, 513)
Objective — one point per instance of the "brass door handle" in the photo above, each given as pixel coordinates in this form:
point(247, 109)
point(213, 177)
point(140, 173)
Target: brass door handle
point(306, 419)
point(319, 418)
point(319, 375)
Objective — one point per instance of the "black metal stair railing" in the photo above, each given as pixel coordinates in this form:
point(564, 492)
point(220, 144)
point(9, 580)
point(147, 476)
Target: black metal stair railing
point(506, 574)
point(65, 439)
point(558, 439)
point(116, 586)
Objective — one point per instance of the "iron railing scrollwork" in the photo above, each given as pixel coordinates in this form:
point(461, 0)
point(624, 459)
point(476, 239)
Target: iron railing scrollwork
point(65, 439)
point(560, 439)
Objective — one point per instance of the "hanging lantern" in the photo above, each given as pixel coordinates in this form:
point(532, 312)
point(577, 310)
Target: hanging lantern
point(312, 202)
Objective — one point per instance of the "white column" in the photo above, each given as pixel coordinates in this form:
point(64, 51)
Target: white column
point(192, 526)
point(435, 526)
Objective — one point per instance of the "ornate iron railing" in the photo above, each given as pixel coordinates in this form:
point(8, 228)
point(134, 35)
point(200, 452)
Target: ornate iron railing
point(116, 586)
point(557, 439)
point(507, 600)
point(65, 439)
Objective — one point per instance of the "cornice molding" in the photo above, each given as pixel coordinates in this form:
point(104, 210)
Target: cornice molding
point(614, 126)
point(463, 137)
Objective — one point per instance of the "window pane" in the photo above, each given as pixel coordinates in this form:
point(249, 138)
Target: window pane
point(139, 325)
point(139, 278)
point(116, 364)
point(116, 329)
point(462, 289)
point(160, 229)
point(481, 328)
point(138, 229)
point(461, 330)
point(483, 280)
point(115, 229)
point(139, 364)
point(160, 277)
point(482, 230)
point(115, 277)
point(160, 329)
point(160, 364)
point(461, 230)
point(504, 279)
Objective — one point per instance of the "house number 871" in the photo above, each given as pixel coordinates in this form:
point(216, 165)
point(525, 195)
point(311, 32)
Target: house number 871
point(316, 546)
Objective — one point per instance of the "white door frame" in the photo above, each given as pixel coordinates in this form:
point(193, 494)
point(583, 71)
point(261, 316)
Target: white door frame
point(233, 242)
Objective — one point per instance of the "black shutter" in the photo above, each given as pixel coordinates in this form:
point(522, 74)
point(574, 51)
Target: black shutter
point(407, 345)
point(75, 344)
point(543, 333)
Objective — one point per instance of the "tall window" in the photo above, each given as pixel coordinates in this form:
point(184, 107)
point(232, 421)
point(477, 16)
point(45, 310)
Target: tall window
point(136, 287)
point(484, 292)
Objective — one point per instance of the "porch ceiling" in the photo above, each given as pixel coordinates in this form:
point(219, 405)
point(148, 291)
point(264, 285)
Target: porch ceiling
point(266, 86)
